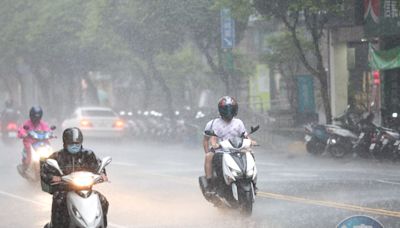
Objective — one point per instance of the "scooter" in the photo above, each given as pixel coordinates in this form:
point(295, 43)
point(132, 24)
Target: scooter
point(83, 204)
point(234, 174)
point(9, 133)
point(385, 145)
point(316, 137)
point(40, 151)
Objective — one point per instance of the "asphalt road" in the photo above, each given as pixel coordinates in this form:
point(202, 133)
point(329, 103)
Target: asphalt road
point(155, 185)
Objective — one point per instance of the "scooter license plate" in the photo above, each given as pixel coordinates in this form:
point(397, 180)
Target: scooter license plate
point(12, 134)
point(307, 138)
point(397, 142)
point(372, 146)
point(385, 141)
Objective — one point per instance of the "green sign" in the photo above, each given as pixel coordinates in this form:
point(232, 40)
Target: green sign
point(384, 60)
point(382, 17)
point(259, 89)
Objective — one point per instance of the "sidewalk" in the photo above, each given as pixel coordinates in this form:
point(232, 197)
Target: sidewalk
point(290, 141)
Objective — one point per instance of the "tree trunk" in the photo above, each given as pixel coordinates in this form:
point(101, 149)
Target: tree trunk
point(148, 85)
point(168, 95)
point(323, 79)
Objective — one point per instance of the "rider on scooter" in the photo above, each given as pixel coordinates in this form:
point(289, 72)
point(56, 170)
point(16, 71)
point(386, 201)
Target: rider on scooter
point(73, 157)
point(9, 114)
point(34, 123)
point(226, 127)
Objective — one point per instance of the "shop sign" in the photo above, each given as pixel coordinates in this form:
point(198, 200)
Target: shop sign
point(382, 17)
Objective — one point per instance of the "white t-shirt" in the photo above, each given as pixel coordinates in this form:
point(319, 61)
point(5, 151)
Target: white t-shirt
point(225, 130)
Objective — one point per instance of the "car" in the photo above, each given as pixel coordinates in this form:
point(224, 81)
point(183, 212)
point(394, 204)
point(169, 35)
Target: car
point(96, 122)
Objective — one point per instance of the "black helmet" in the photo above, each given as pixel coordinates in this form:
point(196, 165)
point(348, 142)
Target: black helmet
point(227, 107)
point(35, 114)
point(72, 136)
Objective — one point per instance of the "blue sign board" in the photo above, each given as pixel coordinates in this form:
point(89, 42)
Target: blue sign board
point(227, 29)
point(360, 221)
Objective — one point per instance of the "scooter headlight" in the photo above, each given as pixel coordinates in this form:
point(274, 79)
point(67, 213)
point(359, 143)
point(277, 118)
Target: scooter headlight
point(235, 172)
point(83, 181)
point(44, 152)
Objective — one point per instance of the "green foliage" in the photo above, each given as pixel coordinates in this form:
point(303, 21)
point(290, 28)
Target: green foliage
point(282, 51)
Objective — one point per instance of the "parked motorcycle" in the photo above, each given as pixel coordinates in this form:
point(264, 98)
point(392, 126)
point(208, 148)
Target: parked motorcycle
point(317, 135)
point(385, 144)
point(234, 174)
point(368, 132)
point(40, 150)
point(83, 204)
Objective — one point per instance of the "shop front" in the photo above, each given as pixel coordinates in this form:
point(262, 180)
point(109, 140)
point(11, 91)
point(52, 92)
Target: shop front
point(382, 28)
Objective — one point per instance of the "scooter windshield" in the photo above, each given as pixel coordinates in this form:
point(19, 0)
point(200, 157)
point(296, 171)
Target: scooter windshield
point(236, 142)
point(39, 135)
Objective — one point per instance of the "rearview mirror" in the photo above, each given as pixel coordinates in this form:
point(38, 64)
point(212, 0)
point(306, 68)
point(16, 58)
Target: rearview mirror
point(254, 129)
point(53, 163)
point(104, 162)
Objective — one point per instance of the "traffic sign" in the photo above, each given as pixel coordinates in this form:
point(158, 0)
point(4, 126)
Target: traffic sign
point(227, 29)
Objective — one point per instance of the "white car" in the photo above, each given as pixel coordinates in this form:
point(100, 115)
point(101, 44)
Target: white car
point(96, 122)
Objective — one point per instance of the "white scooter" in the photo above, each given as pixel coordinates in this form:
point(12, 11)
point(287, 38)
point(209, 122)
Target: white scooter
point(234, 174)
point(83, 204)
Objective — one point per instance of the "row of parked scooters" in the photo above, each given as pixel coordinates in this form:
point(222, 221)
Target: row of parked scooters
point(353, 134)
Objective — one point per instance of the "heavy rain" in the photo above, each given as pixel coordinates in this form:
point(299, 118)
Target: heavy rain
point(200, 113)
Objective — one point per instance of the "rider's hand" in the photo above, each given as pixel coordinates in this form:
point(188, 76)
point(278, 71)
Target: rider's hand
point(254, 143)
point(104, 177)
point(56, 179)
point(214, 145)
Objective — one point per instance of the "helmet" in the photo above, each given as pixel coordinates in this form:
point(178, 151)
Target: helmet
point(35, 114)
point(72, 136)
point(227, 107)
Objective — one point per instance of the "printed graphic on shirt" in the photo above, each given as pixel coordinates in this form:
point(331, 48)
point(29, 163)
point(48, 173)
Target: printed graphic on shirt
point(226, 130)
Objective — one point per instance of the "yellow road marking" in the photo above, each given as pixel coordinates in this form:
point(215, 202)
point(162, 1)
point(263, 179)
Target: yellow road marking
point(276, 196)
point(329, 204)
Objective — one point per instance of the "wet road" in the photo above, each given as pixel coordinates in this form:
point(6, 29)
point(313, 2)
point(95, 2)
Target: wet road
point(155, 185)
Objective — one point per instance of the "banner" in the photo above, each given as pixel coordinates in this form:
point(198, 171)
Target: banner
point(385, 59)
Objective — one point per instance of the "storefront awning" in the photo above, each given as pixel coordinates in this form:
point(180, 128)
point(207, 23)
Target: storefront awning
point(385, 59)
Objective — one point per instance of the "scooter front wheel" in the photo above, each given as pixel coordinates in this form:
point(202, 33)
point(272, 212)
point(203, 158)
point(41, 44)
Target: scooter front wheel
point(247, 204)
point(337, 151)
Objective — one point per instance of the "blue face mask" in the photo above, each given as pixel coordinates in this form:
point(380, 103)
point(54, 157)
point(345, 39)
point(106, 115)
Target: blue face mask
point(74, 148)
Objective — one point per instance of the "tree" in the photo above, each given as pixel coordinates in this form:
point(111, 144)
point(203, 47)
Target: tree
point(312, 16)
point(150, 28)
point(282, 58)
point(203, 22)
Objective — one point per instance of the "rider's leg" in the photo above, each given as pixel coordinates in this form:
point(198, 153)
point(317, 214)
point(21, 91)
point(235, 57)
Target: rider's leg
point(208, 170)
point(27, 155)
point(208, 164)
point(59, 212)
